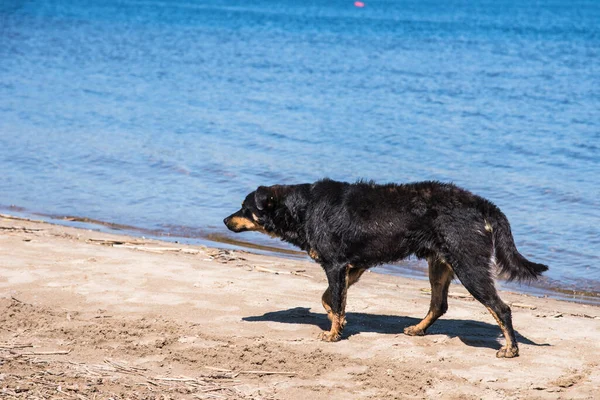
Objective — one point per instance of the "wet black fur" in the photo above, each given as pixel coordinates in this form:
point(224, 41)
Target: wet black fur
point(365, 224)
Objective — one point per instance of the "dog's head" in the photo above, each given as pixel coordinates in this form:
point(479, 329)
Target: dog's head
point(258, 210)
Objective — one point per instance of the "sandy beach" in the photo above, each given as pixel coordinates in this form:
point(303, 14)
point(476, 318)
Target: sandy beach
point(91, 315)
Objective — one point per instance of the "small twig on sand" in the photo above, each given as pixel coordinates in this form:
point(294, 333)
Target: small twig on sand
point(582, 315)
point(252, 372)
point(111, 242)
point(7, 346)
point(106, 242)
point(157, 249)
point(268, 372)
point(299, 273)
point(456, 295)
point(218, 369)
point(270, 271)
point(124, 368)
point(523, 305)
point(176, 379)
point(214, 389)
point(43, 353)
point(19, 228)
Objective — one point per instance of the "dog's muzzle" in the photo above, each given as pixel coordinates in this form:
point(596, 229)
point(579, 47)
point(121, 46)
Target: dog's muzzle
point(238, 223)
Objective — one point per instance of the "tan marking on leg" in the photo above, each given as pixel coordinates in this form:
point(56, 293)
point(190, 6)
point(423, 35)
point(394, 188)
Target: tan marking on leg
point(354, 275)
point(496, 318)
point(419, 329)
point(313, 254)
point(326, 301)
point(440, 276)
point(338, 321)
point(510, 350)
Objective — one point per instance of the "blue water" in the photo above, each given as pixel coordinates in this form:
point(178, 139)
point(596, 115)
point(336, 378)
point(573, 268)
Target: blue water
point(163, 114)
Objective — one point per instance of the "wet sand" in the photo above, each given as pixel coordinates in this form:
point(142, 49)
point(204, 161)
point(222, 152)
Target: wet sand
point(85, 314)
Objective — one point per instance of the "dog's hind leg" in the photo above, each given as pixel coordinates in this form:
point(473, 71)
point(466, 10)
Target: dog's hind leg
point(326, 301)
point(440, 276)
point(481, 286)
point(334, 298)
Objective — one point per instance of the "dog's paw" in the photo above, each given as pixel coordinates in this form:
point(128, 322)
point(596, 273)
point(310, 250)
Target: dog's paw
point(508, 352)
point(414, 331)
point(329, 337)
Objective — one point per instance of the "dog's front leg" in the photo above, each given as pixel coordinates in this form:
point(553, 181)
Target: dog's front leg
point(337, 277)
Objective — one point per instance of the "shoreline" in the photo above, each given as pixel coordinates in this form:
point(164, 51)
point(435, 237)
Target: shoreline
point(90, 313)
point(544, 287)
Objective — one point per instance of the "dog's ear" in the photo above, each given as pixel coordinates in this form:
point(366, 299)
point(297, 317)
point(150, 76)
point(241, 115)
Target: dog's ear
point(264, 199)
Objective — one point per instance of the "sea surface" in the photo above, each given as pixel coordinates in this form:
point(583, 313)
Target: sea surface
point(158, 117)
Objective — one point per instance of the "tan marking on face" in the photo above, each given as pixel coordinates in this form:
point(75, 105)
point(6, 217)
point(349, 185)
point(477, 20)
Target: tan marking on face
point(249, 225)
point(313, 254)
point(254, 217)
point(243, 223)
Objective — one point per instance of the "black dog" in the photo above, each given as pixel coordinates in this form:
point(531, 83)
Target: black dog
point(348, 228)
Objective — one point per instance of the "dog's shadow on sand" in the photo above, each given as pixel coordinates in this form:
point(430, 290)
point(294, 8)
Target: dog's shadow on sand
point(471, 333)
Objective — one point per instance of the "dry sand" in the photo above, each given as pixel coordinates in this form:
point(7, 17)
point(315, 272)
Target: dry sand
point(85, 314)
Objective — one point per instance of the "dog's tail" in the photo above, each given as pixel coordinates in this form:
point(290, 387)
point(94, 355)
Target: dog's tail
point(512, 264)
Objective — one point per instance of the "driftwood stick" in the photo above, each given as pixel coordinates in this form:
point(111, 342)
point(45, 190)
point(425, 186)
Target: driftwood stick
point(269, 372)
point(218, 369)
point(177, 379)
point(297, 273)
point(270, 271)
point(8, 346)
point(524, 305)
point(43, 353)
point(17, 300)
point(252, 372)
point(124, 368)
